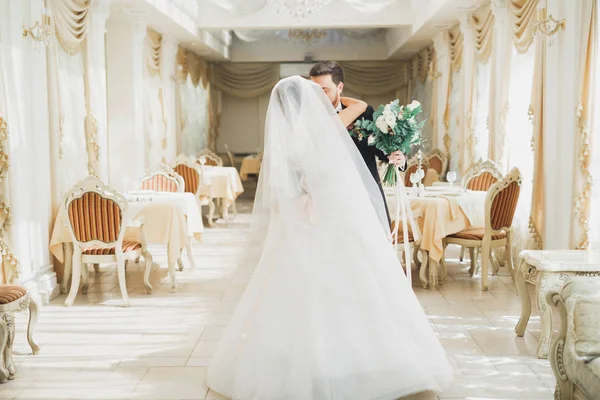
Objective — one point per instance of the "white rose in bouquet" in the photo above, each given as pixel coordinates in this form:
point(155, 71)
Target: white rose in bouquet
point(414, 104)
point(382, 124)
point(371, 140)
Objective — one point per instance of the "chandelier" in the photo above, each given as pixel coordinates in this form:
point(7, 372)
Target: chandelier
point(307, 35)
point(299, 9)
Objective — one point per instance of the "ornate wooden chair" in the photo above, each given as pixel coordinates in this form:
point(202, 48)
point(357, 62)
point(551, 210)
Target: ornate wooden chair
point(97, 217)
point(163, 178)
point(438, 161)
point(500, 205)
point(230, 156)
point(212, 159)
point(14, 299)
point(193, 176)
point(481, 177)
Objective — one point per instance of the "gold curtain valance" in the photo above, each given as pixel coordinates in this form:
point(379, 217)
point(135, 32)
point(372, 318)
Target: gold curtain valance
point(523, 18)
point(193, 65)
point(71, 22)
point(244, 80)
point(372, 78)
point(419, 65)
point(152, 46)
point(456, 47)
point(483, 22)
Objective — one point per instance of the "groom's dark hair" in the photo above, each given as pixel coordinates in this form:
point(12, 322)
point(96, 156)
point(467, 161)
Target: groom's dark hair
point(332, 68)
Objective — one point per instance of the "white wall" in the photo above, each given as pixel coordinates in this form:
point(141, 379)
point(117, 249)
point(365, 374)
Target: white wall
point(243, 123)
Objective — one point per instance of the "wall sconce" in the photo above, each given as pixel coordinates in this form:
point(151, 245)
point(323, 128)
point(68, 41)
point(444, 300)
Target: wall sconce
point(179, 77)
point(544, 24)
point(41, 32)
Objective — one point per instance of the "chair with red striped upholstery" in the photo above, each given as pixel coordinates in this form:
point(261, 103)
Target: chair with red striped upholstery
point(500, 205)
point(411, 167)
point(163, 178)
point(193, 176)
point(97, 217)
point(211, 158)
point(482, 176)
point(438, 161)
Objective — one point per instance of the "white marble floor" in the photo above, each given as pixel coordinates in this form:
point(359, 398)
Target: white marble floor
point(160, 347)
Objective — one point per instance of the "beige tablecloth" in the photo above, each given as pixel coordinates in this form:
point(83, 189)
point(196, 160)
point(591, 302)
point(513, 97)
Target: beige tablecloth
point(441, 215)
point(250, 165)
point(222, 183)
point(163, 223)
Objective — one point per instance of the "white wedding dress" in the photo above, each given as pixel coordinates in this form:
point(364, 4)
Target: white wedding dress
point(329, 313)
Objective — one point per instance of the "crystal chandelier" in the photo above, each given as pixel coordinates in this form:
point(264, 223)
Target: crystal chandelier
point(299, 9)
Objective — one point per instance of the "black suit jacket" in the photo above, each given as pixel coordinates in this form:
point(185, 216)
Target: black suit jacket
point(370, 154)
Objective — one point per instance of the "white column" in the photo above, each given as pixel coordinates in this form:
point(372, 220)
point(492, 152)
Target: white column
point(168, 66)
point(499, 78)
point(560, 105)
point(125, 77)
point(441, 43)
point(96, 69)
point(29, 172)
point(468, 80)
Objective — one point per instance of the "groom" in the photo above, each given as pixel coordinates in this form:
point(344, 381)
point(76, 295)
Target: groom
point(330, 76)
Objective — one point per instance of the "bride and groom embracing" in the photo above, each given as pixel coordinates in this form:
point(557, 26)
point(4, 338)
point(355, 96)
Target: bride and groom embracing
point(328, 313)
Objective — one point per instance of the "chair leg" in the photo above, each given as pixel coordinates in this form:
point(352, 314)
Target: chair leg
point(75, 277)
point(444, 266)
point(122, 279)
point(180, 262)
point(9, 364)
point(473, 261)
point(64, 284)
point(211, 212)
point(416, 256)
point(234, 208)
point(4, 333)
point(462, 253)
point(33, 319)
point(84, 279)
point(190, 255)
point(97, 268)
point(485, 261)
point(148, 261)
point(508, 255)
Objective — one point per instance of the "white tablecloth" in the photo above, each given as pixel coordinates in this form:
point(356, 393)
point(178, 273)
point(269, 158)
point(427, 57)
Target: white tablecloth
point(186, 202)
point(222, 183)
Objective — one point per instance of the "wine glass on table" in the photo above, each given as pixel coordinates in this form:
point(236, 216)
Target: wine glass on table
point(451, 177)
point(414, 179)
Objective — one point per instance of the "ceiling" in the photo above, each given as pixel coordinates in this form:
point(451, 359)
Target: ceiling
point(251, 30)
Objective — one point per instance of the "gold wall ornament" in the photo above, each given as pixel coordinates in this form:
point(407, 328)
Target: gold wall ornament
point(432, 73)
point(91, 133)
point(544, 25)
point(41, 31)
point(307, 35)
point(582, 198)
point(447, 143)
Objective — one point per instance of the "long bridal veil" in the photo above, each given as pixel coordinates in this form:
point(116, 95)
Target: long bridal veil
point(328, 313)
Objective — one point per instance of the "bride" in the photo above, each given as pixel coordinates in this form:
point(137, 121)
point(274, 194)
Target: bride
point(329, 313)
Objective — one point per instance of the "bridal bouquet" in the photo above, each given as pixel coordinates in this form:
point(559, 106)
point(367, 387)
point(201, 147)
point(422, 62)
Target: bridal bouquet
point(394, 127)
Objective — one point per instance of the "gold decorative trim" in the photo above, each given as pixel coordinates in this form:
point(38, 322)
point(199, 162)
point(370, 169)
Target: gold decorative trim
point(61, 135)
point(91, 134)
point(583, 197)
point(10, 264)
point(535, 234)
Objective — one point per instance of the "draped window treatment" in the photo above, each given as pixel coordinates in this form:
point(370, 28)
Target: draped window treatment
point(369, 78)
point(522, 15)
point(193, 118)
point(519, 133)
point(152, 47)
point(481, 132)
point(483, 23)
point(585, 189)
point(71, 20)
point(245, 80)
point(454, 121)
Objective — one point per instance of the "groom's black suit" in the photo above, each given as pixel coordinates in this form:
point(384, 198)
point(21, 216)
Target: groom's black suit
point(370, 155)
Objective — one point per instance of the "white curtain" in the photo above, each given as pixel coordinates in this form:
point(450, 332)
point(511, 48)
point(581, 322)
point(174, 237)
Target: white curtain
point(194, 122)
point(72, 151)
point(519, 132)
point(422, 92)
point(481, 131)
point(595, 156)
point(453, 122)
point(154, 120)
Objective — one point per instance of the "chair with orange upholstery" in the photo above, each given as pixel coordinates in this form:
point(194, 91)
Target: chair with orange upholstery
point(97, 218)
point(482, 176)
point(500, 205)
point(193, 176)
point(14, 299)
point(163, 178)
point(438, 161)
point(212, 159)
